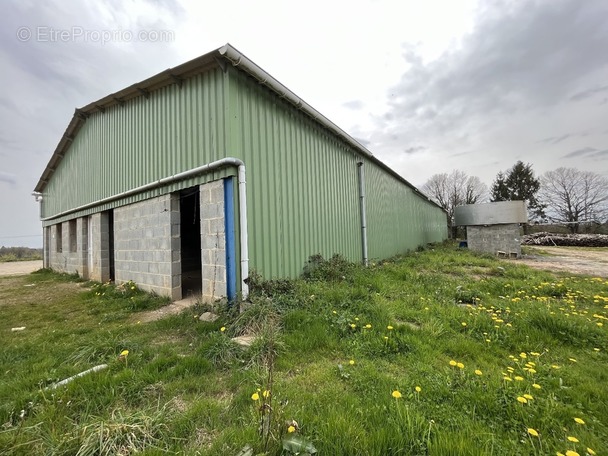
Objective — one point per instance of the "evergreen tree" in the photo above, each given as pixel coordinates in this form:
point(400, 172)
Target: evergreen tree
point(519, 183)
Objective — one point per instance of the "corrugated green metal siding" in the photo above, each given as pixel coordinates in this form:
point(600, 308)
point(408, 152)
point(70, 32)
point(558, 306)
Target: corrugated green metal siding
point(398, 219)
point(143, 141)
point(302, 183)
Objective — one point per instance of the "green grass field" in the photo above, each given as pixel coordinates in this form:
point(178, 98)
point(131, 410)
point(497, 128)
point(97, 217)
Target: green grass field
point(439, 352)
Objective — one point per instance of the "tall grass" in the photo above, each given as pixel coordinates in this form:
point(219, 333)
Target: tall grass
point(439, 352)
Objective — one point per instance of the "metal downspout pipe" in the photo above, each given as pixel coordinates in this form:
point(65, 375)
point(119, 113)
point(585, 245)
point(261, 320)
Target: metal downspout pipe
point(228, 161)
point(243, 231)
point(363, 214)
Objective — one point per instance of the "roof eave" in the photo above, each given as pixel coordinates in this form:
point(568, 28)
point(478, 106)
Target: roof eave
point(201, 64)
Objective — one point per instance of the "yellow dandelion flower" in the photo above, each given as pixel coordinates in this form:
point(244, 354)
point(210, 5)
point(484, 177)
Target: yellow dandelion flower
point(352, 362)
point(385, 337)
point(591, 452)
point(255, 397)
point(464, 323)
point(533, 432)
point(522, 355)
point(124, 353)
point(396, 394)
point(418, 389)
point(460, 365)
point(291, 429)
point(389, 327)
point(555, 366)
point(529, 397)
point(352, 325)
point(572, 453)
point(522, 400)
point(572, 439)
point(507, 379)
point(266, 394)
point(478, 372)
point(453, 363)
point(532, 371)
point(223, 328)
point(356, 318)
point(573, 360)
point(368, 326)
point(579, 420)
point(536, 385)
point(518, 378)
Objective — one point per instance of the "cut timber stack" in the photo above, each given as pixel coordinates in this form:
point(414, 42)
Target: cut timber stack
point(577, 240)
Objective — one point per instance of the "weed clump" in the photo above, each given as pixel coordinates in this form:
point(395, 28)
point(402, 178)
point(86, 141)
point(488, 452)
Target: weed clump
point(335, 269)
point(127, 294)
point(270, 288)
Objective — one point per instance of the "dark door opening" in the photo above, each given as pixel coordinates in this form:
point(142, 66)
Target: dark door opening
point(190, 235)
point(111, 242)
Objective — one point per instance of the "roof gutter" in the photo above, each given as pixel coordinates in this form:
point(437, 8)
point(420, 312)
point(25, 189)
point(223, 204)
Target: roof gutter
point(242, 62)
point(224, 162)
point(239, 60)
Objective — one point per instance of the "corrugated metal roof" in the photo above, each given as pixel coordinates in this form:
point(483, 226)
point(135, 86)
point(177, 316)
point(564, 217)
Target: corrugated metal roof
point(226, 54)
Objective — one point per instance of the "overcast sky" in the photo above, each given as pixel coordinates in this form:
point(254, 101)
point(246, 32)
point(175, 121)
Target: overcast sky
point(427, 86)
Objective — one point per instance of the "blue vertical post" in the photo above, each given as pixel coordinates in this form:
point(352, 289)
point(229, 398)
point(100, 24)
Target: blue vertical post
point(230, 239)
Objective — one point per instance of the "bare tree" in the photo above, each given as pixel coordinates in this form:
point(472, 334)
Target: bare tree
point(574, 196)
point(455, 189)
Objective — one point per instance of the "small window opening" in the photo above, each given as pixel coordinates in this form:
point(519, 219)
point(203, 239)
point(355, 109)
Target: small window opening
point(72, 232)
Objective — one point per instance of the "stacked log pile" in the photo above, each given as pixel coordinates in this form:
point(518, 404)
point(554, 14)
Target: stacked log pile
point(577, 240)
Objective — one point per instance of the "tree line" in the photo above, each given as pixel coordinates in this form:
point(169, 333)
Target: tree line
point(565, 196)
point(19, 254)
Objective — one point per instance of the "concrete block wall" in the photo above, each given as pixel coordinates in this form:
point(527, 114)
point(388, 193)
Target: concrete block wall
point(99, 269)
point(66, 256)
point(213, 240)
point(147, 245)
point(495, 238)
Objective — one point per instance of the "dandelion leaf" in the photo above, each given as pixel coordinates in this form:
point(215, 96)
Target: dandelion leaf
point(298, 445)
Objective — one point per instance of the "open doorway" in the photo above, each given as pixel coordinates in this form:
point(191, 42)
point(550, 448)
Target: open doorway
point(111, 244)
point(190, 235)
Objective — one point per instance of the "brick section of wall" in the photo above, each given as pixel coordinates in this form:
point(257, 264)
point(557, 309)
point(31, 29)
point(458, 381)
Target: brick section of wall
point(100, 233)
point(67, 258)
point(147, 245)
point(213, 240)
point(495, 238)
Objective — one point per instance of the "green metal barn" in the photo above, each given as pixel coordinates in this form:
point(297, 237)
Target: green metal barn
point(186, 181)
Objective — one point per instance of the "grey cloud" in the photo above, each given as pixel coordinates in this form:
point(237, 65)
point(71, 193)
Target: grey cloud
point(588, 93)
point(8, 178)
point(363, 142)
point(555, 139)
point(580, 152)
point(503, 88)
point(600, 154)
point(414, 149)
point(354, 104)
point(520, 55)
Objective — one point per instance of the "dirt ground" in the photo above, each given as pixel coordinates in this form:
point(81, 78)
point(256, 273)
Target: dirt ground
point(576, 260)
point(19, 267)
